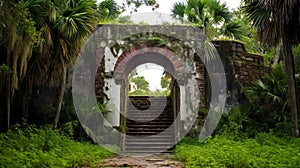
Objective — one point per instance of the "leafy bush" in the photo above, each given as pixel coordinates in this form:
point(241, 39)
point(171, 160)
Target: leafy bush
point(235, 122)
point(266, 150)
point(269, 98)
point(45, 147)
point(104, 109)
point(268, 109)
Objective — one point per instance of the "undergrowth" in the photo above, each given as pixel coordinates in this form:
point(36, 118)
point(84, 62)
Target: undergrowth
point(45, 147)
point(265, 150)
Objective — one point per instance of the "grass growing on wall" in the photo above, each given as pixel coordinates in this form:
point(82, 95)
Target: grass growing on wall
point(265, 150)
point(45, 147)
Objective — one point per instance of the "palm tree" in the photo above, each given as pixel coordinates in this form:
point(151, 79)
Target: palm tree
point(278, 21)
point(108, 10)
point(70, 23)
point(214, 17)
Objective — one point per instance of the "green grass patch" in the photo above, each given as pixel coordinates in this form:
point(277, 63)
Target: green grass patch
point(46, 147)
point(265, 150)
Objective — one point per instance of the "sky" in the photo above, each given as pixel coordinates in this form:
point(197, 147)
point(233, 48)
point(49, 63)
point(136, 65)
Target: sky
point(151, 72)
point(165, 6)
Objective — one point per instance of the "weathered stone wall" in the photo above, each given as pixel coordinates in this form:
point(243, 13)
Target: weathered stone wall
point(241, 68)
point(245, 67)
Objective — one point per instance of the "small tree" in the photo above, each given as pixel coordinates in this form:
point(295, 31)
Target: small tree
point(140, 86)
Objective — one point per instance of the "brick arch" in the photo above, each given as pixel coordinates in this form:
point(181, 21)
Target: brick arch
point(135, 56)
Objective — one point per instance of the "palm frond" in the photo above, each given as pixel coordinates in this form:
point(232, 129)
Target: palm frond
point(210, 50)
point(233, 30)
point(108, 9)
point(178, 10)
point(274, 19)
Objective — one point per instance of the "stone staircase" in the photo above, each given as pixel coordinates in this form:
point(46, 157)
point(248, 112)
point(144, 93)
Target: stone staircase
point(149, 126)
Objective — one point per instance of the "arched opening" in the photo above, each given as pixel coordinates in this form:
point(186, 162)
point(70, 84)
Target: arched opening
point(149, 80)
point(147, 112)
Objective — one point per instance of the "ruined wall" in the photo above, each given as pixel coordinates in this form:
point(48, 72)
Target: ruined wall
point(241, 68)
point(245, 67)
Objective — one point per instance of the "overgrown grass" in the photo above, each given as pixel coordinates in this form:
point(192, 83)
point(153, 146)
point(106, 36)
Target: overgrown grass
point(45, 147)
point(265, 150)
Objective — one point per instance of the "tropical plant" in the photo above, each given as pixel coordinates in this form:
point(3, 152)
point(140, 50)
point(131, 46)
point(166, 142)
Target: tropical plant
point(108, 10)
point(278, 21)
point(249, 37)
point(214, 17)
point(104, 109)
point(73, 22)
point(236, 122)
point(269, 97)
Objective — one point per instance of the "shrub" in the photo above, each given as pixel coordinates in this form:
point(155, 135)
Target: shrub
point(266, 150)
point(268, 109)
point(46, 147)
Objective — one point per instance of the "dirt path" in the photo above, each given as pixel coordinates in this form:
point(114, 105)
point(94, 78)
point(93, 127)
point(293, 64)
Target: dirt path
point(155, 161)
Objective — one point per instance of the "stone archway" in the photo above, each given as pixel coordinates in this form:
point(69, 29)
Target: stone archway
point(116, 50)
point(120, 53)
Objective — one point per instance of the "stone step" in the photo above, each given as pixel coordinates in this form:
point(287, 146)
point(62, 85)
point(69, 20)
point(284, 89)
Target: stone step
point(169, 119)
point(161, 139)
point(155, 113)
point(143, 150)
point(153, 135)
point(146, 126)
point(149, 116)
point(149, 119)
point(147, 148)
point(129, 144)
point(153, 123)
point(154, 130)
point(139, 133)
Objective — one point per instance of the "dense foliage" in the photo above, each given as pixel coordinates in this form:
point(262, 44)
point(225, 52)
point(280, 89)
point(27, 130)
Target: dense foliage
point(267, 111)
point(45, 147)
point(265, 150)
point(278, 22)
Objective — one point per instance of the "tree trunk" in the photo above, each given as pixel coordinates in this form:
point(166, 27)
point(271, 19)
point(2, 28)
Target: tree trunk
point(277, 55)
point(8, 98)
point(61, 97)
point(6, 119)
point(292, 92)
point(25, 102)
